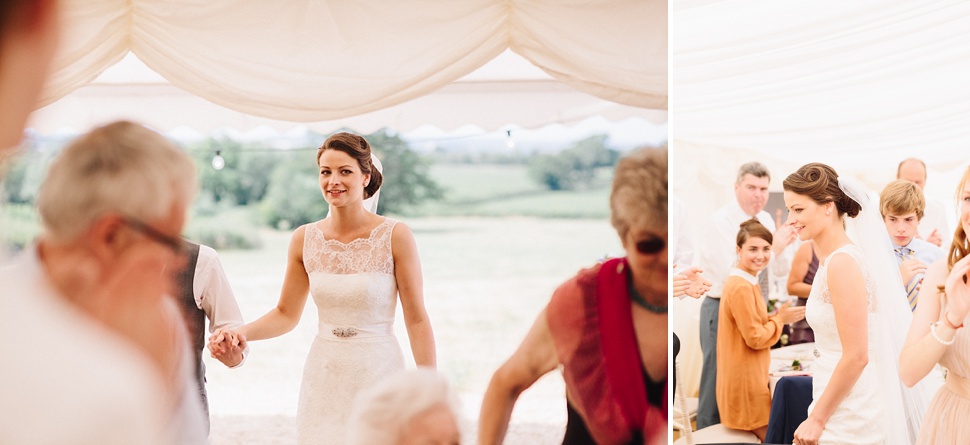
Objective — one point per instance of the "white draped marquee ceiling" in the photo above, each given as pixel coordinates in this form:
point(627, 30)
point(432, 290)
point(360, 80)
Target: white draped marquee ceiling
point(327, 61)
point(862, 84)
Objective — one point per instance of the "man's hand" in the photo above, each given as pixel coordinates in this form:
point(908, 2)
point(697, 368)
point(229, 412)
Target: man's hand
point(690, 282)
point(782, 238)
point(910, 268)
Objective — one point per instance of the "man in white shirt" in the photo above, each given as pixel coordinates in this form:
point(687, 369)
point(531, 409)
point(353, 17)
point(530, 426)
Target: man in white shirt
point(205, 293)
point(934, 227)
point(717, 256)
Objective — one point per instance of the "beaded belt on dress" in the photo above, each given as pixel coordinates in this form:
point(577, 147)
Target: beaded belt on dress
point(364, 331)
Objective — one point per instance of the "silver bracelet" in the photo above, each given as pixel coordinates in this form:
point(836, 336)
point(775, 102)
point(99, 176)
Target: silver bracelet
point(937, 337)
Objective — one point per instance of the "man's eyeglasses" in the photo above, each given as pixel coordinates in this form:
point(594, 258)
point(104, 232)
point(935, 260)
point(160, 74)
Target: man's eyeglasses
point(651, 246)
point(175, 244)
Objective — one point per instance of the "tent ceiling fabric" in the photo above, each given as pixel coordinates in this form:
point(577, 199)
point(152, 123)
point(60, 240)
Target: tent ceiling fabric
point(864, 82)
point(311, 60)
point(857, 85)
point(491, 105)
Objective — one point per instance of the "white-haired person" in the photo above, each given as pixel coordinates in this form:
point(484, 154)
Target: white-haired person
point(605, 328)
point(94, 348)
point(414, 407)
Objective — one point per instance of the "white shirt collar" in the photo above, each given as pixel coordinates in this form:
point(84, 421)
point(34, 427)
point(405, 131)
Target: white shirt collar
point(736, 272)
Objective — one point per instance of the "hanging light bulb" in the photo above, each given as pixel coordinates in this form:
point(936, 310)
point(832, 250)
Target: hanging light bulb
point(509, 142)
point(217, 161)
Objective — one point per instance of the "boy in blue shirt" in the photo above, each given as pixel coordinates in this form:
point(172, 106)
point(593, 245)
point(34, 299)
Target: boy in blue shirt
point(901, 204)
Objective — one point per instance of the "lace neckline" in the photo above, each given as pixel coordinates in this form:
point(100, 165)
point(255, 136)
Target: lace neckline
point(369, 237)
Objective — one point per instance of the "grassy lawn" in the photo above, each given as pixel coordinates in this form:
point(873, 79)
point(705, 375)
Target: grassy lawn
point(485, 281)
point(19, 224)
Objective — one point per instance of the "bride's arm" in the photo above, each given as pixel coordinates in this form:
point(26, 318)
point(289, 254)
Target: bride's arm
point(296, 285)
point(410, 287)
point(849, 301)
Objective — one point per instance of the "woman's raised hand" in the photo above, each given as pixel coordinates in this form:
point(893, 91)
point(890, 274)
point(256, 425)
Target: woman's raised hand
point(958, 291)
point(788, 314)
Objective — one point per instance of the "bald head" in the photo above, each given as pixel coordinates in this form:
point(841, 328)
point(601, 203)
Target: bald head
point(912, 169)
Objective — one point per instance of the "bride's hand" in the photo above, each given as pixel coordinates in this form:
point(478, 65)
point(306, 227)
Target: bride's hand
point(808, 432)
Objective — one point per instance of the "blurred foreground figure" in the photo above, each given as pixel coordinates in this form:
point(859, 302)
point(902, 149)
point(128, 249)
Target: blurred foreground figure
point(415, 407)
point(94, 350)
point(29, 32)
point(606, 327)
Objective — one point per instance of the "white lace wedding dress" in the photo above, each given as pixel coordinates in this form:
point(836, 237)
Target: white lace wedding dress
point(355, 292)
point(859, 418)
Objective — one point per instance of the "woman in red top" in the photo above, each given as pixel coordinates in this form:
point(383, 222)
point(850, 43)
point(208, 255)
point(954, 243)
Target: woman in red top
point(606, 327)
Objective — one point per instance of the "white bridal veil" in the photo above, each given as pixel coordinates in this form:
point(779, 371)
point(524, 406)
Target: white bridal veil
point(904, 407)
point(371, 203)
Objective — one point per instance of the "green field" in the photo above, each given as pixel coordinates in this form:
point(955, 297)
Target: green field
point(472, 190)
point(506, 190)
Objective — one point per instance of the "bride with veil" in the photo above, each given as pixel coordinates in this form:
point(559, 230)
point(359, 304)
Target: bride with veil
point(859, 313)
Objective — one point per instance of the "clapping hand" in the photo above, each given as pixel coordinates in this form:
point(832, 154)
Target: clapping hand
point(227, 346)
point(788, 314)
point(958, 291)
point(782, 238)
point(690, 282)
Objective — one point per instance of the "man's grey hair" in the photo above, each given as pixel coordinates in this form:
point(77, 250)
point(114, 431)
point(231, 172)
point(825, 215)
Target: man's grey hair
point(754, 168)
point(122, 168)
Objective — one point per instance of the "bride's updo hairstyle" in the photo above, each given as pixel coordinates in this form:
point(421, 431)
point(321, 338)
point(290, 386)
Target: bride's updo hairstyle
point(821, 184)
point(358, 148)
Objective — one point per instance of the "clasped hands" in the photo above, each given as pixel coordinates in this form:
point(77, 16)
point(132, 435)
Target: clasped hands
point(227, 346)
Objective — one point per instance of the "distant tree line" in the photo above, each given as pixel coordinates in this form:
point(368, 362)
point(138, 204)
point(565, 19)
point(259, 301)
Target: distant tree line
point(283, 186)
point(575, 167)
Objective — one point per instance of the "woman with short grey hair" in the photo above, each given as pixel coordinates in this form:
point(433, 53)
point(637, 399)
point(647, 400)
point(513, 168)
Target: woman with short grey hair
point(412, 407)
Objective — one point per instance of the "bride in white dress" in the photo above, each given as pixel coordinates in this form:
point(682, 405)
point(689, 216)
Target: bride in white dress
point(355, 264)
point(855, 313)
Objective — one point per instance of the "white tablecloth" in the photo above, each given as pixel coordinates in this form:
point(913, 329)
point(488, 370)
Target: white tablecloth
point(782, 357)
